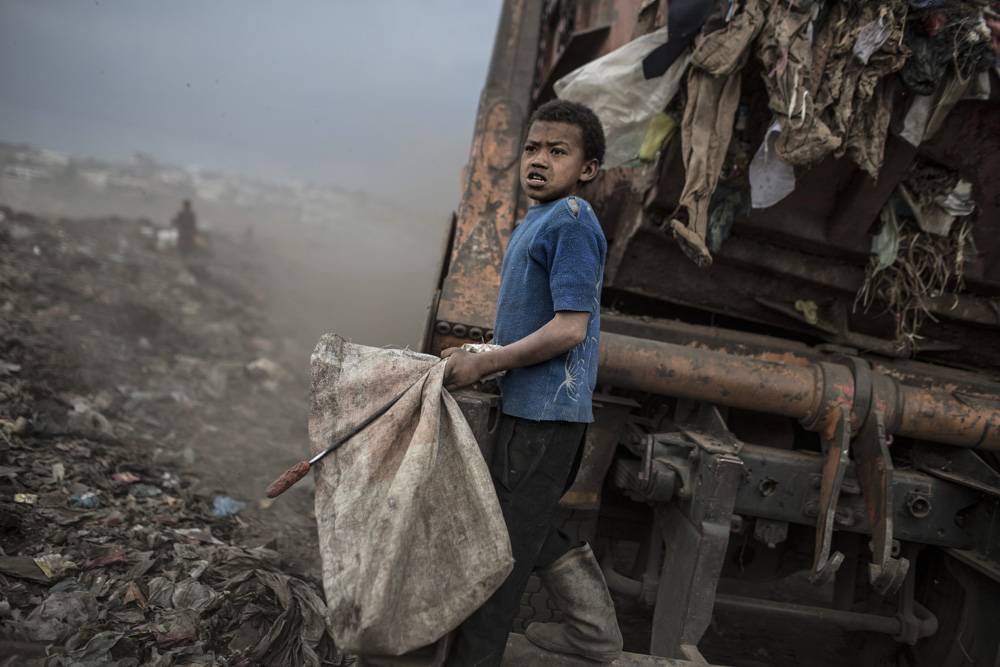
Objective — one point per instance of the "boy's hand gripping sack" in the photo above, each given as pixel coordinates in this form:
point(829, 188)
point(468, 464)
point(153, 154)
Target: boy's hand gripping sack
point(411, 536)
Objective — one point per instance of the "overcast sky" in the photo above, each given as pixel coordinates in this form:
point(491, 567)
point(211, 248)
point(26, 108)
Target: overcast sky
point(378, 96)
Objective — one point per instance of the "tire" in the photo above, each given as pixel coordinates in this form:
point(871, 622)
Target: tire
point(966, 604)
point(536, 607)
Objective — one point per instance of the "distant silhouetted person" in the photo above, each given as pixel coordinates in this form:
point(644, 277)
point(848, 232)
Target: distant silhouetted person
point(186, 225)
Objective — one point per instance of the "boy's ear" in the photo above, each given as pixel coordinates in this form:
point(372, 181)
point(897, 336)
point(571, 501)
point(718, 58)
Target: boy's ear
point(590, 169)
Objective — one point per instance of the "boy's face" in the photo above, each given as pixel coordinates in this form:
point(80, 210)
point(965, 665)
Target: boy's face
point(552, 163)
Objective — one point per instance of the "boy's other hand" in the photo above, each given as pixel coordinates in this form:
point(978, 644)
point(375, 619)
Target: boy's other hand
point(462, 369)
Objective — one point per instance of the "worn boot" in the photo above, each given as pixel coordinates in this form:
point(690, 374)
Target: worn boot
point(576, 584)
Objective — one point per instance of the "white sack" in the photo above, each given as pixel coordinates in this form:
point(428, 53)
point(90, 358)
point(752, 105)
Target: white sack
point(411, 536)
point(614, 87)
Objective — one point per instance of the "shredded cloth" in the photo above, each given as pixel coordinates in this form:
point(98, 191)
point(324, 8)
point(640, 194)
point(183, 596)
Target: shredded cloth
point(411, 536)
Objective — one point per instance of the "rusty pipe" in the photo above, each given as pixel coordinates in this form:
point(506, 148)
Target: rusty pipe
point(813, 394)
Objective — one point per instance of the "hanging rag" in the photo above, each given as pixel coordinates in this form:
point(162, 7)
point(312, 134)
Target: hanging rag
point(707, 127)
point(411, 536)
point(792, 73)
point(855, 99)
point(706, 131)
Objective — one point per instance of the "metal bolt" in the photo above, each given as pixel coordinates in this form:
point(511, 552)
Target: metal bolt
point(767, 487)
point(475, 333)
point(736, 523)
point(919, 505)
point(489, 335)
point(459, 330)
point(811, 509)
point(443, 327)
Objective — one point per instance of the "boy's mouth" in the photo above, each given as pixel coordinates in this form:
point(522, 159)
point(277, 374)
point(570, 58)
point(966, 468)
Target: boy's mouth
point(534, 178)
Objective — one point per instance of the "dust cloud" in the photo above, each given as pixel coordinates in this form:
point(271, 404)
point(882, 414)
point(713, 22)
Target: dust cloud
point(363, 269)
point(365, 272)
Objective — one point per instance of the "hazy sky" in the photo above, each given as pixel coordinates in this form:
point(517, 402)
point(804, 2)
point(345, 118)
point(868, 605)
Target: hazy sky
point(378, 96)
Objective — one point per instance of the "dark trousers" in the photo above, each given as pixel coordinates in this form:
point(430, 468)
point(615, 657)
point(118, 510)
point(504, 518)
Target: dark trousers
point(533, 465)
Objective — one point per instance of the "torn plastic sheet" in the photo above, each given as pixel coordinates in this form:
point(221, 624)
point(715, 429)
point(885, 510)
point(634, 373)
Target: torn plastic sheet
point(192, 594)
point(871, 37)
point(24, 567)
point(771, 180)
point(57, 618)
point(927, 112)
point(285, 626)
point(615, 87)
point(97, 653)
point(226, 506)
point(885, 244)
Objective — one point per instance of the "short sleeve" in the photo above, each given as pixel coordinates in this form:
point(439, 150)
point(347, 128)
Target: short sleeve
point(572, 250)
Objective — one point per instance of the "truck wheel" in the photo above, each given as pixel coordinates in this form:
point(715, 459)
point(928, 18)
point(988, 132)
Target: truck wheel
point(536, 607)
point(966, 604)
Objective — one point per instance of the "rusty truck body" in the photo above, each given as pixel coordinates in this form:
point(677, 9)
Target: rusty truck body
point(738, 435)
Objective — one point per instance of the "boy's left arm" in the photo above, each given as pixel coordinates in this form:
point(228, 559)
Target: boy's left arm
point(562, 333)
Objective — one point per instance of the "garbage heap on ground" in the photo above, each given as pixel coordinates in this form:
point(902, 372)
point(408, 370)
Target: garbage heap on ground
point(123, 371)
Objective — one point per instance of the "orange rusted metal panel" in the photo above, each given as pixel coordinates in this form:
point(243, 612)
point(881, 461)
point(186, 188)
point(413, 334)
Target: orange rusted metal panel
point(486, 214)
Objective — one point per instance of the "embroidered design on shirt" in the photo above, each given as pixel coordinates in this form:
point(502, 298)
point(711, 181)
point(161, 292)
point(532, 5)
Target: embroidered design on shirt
point(582, 357)
point(576, 370)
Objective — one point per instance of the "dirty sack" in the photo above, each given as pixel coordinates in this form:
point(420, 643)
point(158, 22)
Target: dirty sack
point(411, 536)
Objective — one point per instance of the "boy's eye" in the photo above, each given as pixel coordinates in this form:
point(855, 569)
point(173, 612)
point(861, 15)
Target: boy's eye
point(529, 149)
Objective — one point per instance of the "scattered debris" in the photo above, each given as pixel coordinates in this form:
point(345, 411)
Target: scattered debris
point(119, 372)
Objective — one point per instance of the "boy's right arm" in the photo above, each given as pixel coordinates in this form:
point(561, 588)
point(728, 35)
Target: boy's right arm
point(562, 333)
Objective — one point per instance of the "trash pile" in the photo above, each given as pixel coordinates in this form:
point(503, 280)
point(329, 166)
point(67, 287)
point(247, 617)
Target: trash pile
point(131, 387)
point(769, 88)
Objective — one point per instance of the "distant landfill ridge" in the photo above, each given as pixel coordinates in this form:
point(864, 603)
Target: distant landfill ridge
point(54, 183)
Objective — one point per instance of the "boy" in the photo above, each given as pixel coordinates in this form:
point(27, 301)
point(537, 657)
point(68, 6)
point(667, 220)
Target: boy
point(547, 320)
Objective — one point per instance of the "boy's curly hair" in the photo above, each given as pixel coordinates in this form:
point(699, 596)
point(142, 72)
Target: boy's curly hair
point(574, 113)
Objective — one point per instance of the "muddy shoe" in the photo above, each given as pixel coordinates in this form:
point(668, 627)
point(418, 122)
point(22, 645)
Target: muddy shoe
point(576, 584)
point(692, 244)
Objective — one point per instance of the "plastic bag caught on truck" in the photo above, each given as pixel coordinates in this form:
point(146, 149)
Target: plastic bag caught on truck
point(411, 536)
point(615, 87)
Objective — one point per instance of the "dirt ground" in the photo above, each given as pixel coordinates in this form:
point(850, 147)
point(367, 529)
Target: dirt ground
point(146, 402)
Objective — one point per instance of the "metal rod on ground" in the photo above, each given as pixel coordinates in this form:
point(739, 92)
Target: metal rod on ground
point(300, 470)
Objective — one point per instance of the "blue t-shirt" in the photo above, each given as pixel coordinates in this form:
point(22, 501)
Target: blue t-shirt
point(554, 261)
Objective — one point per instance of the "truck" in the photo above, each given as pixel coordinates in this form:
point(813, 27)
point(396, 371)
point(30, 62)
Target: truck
point(797, 408)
